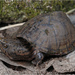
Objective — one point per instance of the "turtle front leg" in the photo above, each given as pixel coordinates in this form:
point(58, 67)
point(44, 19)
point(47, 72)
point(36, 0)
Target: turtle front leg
point(38, 59)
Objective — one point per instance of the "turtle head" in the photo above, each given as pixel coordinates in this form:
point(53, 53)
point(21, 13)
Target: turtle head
point(15, 50)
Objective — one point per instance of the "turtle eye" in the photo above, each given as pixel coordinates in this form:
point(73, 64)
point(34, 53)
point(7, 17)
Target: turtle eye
point(6, 46)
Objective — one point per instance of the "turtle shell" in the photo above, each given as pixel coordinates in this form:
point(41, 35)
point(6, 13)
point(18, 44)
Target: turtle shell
point(51, 33)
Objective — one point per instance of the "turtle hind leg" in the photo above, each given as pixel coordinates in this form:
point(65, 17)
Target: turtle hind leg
point(38, 59)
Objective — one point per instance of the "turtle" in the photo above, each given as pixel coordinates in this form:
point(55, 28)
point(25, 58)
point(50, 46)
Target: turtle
point(46, 34)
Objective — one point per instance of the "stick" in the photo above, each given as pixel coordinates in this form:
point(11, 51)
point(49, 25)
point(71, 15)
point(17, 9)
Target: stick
point(11, 26)
point(70, 11)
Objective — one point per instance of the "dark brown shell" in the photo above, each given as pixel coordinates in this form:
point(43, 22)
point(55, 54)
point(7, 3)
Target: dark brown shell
point(51, 33)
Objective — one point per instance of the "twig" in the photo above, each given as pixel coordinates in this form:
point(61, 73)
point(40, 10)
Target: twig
point(10, 26)
point(69, 12)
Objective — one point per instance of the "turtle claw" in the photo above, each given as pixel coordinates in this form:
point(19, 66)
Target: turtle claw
point(38, 59)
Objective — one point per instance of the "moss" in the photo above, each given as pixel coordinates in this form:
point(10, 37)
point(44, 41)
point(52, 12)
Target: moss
point(19, 11)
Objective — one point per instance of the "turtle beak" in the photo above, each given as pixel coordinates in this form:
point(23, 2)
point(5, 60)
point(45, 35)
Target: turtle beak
point(3, 44)
point(2, 41)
